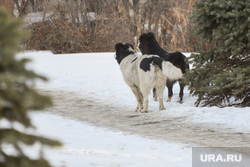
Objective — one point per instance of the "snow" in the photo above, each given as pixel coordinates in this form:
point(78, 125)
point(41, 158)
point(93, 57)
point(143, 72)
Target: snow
point(86, 145)
point(98, 75)
point(37, 17)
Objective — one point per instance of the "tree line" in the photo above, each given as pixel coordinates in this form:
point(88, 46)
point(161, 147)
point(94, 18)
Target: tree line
point(92, 26)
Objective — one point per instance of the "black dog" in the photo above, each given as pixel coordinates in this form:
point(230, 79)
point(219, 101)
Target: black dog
point(149, 45)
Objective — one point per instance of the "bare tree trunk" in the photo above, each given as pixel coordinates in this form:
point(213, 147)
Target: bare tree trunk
point(139, 25)
point(83, 11)
point(149, 15)
point(18, 6)
point(42, 24)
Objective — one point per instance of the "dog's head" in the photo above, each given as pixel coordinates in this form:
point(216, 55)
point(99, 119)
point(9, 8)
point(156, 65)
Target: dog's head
point(149, 45)
point(147, 36)
point(146, 41)
point(123, 50)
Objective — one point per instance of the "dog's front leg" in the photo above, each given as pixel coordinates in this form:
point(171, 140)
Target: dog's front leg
point(161, 105)
point(145, 91)
point(155, 95)
point(159, 92)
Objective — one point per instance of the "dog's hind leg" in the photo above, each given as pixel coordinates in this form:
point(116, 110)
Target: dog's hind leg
point(154, 95)
point(138, 96)
point(145, 103)
point(182, 85)
point(160, 86)
point(170, 90)
point(145, 92)
point(160, 95)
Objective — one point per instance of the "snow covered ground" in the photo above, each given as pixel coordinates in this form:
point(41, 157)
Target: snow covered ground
point(98, 75)
point(86, 145)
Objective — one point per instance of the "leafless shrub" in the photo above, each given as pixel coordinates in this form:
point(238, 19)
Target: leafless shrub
point(95, 26)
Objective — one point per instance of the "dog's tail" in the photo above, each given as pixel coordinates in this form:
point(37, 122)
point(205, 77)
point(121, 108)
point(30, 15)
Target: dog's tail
point(168, 69)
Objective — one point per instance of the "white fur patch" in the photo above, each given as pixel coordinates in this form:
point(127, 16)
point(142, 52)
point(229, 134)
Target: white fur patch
point(170, 71)
point(138, 46)
point(131, 49)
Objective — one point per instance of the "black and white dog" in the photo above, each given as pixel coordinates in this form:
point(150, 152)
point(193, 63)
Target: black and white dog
point(143, 73)
point(149, 45)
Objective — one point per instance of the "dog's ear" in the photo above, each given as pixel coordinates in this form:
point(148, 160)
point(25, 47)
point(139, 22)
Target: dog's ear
point(130, 45)
point(118, 46)
point(151, 34)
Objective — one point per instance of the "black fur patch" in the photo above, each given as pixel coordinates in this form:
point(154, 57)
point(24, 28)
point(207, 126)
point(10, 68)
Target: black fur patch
point(158, 61)
point(145, 63)
point(134, 60)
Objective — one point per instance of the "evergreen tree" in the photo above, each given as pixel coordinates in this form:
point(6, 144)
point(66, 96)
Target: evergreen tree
point(221, 75)
point(17, 97)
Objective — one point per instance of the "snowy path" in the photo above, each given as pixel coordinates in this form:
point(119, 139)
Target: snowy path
point(152, 124)
point(90, 146)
